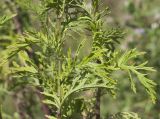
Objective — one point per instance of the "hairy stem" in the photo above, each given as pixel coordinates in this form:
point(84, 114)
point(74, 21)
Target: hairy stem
point(95, 4)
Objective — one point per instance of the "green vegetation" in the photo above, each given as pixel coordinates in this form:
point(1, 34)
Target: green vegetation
point(60, 59)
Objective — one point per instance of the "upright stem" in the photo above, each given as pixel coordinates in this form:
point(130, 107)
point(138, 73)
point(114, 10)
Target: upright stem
point(98, 101)
point(59, 53)
point(59, 89)
point(95, 4)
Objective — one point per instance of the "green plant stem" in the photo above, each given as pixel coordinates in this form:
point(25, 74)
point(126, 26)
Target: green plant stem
point(95, 4)
point(59, 53)
point(59, 89)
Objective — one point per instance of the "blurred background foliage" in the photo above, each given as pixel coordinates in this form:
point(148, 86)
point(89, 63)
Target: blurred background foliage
point(140, 20)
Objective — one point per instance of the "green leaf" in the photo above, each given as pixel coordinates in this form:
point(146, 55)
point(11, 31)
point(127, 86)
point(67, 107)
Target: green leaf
point(129, 55)
point(49, 102)
point(54, 97)
point(149, 84)
point(6, 18)
point(88, 82)
point(29, 69)
point(133, 87)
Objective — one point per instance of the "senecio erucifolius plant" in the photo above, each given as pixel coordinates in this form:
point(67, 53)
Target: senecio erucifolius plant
point(43, 61)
